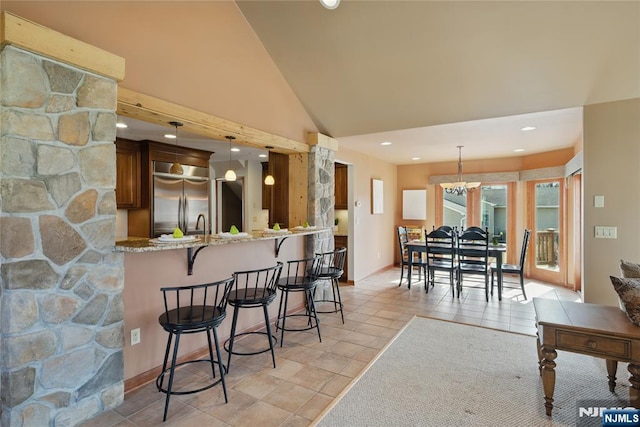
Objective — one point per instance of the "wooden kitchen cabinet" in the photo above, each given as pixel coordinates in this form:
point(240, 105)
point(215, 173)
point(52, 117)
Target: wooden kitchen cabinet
point(279, 204)
point(342, 242)
point(127, 174)
point(140, 221)
point(341, 187)
point(266, 189)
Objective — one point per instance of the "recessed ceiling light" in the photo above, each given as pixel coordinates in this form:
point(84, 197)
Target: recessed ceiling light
point(385, 143)
point(169, 136)
point(235, 150)
point(528, 128)
point(518, 150)
point(121, 125)
point(330, 4)
point(415, 158)
point(262, 155)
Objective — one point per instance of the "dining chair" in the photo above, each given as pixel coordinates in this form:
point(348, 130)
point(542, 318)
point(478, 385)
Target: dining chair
point(446, 228)
point(478, 229)
point(473, 257)
point(403, 239)
point(513, 268)
point(441, 256)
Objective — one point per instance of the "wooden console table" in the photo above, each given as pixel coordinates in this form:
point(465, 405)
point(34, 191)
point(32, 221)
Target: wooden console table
point(591, 329)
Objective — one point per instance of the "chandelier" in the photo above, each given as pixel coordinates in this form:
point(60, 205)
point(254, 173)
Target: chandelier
point(459, 187)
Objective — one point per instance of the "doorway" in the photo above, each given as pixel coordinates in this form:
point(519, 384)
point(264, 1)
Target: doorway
point(545, 213)
point(230, 204)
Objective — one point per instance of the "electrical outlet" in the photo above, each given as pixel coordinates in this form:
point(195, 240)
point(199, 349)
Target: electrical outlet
point(135, 336)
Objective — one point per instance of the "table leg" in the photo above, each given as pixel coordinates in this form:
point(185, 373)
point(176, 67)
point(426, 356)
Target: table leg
point(548, 377)
point(634, 390)
point(539, 347)
point(410, 254)
point(499, 265)
point(612, 367)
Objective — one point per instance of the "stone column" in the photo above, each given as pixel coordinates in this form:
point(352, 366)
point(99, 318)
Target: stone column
point(321, 195)
point(61, 309)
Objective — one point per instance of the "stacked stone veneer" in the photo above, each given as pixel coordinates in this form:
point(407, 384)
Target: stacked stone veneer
point(61, 309)
point(321, 179)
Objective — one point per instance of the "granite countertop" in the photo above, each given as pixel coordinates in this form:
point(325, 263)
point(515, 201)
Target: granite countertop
point(143, 244)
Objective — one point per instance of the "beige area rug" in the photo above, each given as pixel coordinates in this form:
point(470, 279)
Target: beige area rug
point(439, 373)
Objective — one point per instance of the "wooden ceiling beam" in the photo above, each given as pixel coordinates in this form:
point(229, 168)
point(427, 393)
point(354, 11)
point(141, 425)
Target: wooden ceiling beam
point(153, 110)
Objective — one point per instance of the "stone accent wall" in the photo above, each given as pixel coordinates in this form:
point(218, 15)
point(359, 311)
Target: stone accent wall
point(321, 197)
point(61, 311)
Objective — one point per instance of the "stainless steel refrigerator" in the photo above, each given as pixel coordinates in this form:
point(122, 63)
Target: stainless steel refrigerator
point(178, 200)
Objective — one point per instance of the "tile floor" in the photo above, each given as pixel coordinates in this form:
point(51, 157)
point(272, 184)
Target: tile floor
point(310, 374)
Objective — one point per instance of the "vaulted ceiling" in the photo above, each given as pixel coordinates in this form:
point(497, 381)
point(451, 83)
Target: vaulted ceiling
point(430, 75)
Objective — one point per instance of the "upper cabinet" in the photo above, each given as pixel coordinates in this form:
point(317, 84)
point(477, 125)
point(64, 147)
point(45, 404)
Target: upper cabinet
point(127, 174)
point(341, 186)
point(279, 205)
point(266, 189)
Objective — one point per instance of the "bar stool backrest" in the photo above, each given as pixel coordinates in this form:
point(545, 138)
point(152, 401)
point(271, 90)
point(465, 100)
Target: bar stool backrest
point(255, 286)
point(195, 307)
point(302, 271)
point(332, 263)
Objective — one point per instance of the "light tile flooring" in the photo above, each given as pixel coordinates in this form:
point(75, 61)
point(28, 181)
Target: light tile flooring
point(310, 374)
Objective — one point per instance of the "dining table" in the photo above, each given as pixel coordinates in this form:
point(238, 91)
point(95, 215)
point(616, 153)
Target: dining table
point(495, 251)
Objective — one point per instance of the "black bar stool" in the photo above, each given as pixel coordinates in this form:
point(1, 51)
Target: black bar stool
point(331, 268)
point(199, 308)
point(253, 288)
point(301, 276)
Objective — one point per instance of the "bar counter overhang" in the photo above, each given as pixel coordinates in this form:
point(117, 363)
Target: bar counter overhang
point(149, 267)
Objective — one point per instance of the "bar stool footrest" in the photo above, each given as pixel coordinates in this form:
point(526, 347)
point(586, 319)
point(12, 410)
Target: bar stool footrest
point(336, 303)
point(238, 353)
point(207, 387)
point(314, 324)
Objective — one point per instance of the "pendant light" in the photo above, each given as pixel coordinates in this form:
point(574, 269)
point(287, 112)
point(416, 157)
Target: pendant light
point(176, 167)
point(269, 180)
point(459, 187)
point(230, 175)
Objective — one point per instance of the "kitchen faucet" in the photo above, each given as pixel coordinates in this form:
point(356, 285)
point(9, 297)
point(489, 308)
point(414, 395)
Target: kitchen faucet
point(204, 224)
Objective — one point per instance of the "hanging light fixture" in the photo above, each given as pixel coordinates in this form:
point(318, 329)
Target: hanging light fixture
point(176, 167)
point(230, 175)
point(269, 179)
point(460, 187)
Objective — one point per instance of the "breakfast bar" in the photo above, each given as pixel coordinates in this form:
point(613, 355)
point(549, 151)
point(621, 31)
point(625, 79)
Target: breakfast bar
point(199, 242)
point(150, 266)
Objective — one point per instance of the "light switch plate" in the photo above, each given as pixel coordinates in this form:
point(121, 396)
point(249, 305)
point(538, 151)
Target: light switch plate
point(602, 232)
point(598, 201)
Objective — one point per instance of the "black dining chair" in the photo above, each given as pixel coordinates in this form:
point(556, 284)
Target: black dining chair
point(301, 276)
point(473, 257)
point(191, 310)
point(441, 256)
point(253, 289)
point(403, 239)
point(446, 228)
point(513, 268)
point(478, 229)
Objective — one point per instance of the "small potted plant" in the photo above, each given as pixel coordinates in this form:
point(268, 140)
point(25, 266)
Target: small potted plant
point(335, 224)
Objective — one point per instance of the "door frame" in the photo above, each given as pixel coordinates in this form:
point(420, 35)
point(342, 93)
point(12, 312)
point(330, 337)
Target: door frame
point(549, 276)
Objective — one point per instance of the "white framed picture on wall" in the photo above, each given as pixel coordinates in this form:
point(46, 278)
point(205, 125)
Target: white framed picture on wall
point(377, 196)
point(414, 204)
